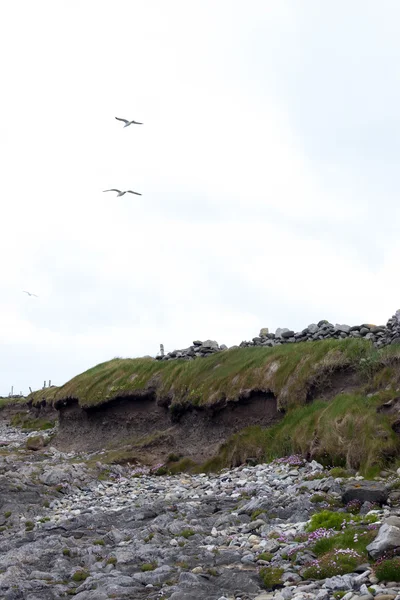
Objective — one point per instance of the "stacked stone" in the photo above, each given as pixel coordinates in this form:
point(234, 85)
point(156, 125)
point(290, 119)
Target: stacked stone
point(197, 350)
point(379, 335)
point(320, 331)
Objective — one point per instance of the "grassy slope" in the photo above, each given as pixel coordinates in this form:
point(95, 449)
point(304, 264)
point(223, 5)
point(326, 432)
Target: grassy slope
point(345, 431)
point(287, 370)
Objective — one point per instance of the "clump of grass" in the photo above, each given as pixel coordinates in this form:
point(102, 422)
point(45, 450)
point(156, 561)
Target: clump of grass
point(111, 560)
point(99, 543)
point(187, 533)
point(337, 562)
point(29, 525)
point(183, 465)
point(8, 514)
point(271, 577)
point(388, 570)
point(339, 472)
point(317, 498)
point(149, 537)
point(327, 519)
point(148, 566)
point(257, 513)
point(66, 552)
point(353, 537)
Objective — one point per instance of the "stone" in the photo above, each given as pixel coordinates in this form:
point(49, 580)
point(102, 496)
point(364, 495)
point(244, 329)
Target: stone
point(393, 520)
point(264, 332)
point(388, 538)
point(366, 491)
point(339, 582)
point(212, 344)
point(280, 331)
point(287, 334)
point(343, 328)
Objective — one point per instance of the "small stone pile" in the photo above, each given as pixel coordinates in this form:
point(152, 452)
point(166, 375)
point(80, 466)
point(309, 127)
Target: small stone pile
point(197, 350)
point(379, 336)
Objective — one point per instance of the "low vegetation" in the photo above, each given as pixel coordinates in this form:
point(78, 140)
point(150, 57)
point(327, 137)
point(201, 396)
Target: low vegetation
point(325, 431)
point(289, 371)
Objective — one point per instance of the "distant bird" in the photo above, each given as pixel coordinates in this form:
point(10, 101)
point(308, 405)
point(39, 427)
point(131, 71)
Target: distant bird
point(120, 193)
point(29, 293)
point(127, 123)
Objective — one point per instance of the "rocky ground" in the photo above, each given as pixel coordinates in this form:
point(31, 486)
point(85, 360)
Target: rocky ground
point(71, 526)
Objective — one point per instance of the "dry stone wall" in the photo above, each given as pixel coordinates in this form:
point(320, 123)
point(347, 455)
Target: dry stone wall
point(379, 336)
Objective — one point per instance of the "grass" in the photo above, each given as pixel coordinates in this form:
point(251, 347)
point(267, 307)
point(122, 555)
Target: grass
point(388, 570)
point(289, 371)
point(271, 577)
point(355, 538)
point(25, 421)
point(148, 567)
point(327, 432)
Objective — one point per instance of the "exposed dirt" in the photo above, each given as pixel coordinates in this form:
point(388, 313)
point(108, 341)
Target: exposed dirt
point(196, 433)
point(339, 381)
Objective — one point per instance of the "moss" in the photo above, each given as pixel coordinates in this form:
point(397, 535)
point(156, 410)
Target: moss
point(111, 560)
point(29, 525)
point(148, 566)
point(99, 543)
point(66, 552)
point(8, 514)
point(267, 556)
point(271, 577)
point(80, 575)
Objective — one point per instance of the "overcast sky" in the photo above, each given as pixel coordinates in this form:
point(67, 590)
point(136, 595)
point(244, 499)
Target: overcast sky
point(268, 163)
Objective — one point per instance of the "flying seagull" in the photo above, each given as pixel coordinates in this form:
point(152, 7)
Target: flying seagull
point(121, 193)
point(127, 123)
point(29, 293)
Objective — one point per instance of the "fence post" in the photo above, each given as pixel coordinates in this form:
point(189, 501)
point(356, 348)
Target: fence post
point(30, 389)
point(162, 349)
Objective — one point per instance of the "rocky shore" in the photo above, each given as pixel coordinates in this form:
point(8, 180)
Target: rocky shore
point(379, 335)
point(71, 525)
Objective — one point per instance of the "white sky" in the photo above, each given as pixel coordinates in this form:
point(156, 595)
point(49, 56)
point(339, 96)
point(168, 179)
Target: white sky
point(268, 163)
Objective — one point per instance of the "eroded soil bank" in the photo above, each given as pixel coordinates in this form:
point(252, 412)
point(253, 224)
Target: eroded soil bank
point(153, 429)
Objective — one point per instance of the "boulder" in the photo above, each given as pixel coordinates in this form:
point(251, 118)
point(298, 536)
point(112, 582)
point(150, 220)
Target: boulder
point(339, 582)
point(264, 331)
point(366, 491)
point(287, 334)
point(212, 344)
point(388, 538)
point(342, 328)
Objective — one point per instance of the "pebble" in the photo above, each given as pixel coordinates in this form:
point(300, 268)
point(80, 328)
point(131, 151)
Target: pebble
point(180, 537)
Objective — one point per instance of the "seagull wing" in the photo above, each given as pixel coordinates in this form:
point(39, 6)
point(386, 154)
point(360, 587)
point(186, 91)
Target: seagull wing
point(112, 190)
point(131, 192)
point(25, 292)
point(136, 122)
point(124, 120)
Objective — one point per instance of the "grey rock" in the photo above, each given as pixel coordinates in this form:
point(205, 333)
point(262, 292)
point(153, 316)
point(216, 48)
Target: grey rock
point(339, 582)
point(366, 491)
point(388, 538)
